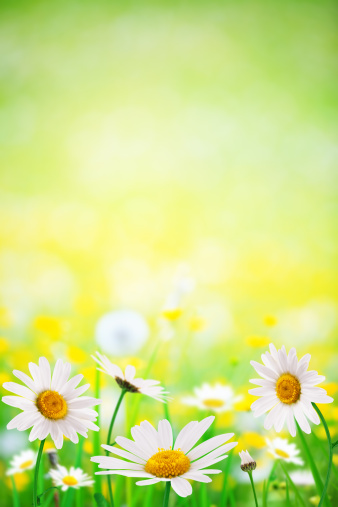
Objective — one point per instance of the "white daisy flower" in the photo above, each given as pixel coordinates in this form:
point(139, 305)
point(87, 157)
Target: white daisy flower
point(128, 382)
point(287, 390)
point(122, 332)
point(153, 457)
point(247, 462)
point(51, 404)
point(218, 398)
point(302, 477)
point(22, 462)
point(280, 448)
point(72, 478)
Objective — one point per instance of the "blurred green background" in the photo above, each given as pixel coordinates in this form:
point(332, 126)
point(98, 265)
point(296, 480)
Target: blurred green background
point(136, 136)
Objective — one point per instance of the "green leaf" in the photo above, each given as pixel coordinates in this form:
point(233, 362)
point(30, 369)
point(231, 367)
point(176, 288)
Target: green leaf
point(334, 444)
point(100, 500)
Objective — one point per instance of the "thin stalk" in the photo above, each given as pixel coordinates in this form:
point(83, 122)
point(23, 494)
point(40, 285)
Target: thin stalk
point(96, 435)
point(266, 493)
point(314, 469)
point(287, 493)
point(36, 473)
point(204, 495)
point(119, 401)
point(16, 501)
point(224, 494)
point(295, 489)
point(253, 487)
point(166, 494)
point(327, 480)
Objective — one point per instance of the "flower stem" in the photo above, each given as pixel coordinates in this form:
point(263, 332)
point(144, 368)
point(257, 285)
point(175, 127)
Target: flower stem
point(36, 474)
point(266, 492)
point(96, 435)
point(16, 501)
point(294, 487)
point(327, 480)
point(119, 401)
point(166, 494)
point(253, 487)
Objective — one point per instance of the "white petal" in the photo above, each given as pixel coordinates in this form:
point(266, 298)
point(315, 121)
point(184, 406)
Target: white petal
point(140, 436)
point(271, 418)
point(130, 446)
point(165, 435)
point(124, 454)
point(208, 445)
point(184, 434)
point(69, 386)
point(263, 382)
point(45, 375)
point(83, 402)
point(262, 391)
point(196, 476)
point(19, 402)
point(300, 417)
point(194, 434)
point(26, 380)
point(290, 421)
point(181, 486)
point(130, 373)
point(15, 388)
point(126, 473)
point(115, 463)
point(292, 361)
point(147, 482)
point(264, 404)
point(263, 371)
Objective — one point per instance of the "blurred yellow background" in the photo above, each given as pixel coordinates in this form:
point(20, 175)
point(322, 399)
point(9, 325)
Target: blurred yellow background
point(140, 139)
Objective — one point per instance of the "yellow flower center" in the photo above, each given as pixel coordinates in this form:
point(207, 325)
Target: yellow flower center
point(288, 388)
point(52, 405)
point(168, 464)
point(213, 403)
point(26, 464)
point(281, 453)
point(69, 480)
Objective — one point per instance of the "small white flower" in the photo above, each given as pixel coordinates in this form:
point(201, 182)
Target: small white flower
point(122, 332)
point(152, 455)
point(287, 390)
point(127, 381)
point(280, 448)
point(72, 478)
point(51, 404)
point(22, 462)
point(218, 398)
point(247, 462)
point(302, 477)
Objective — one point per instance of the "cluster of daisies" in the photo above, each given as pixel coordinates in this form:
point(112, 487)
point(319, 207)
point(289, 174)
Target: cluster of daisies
point(53, 404)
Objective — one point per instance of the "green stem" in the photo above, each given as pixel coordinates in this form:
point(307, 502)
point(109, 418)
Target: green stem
point(266, 493)
point(96, 435)
point(327, 480)
point(253, 487)
point(16, 501)
point(295, 489)
point(314, 470)
point(166, 494)
point(36, 473)
point(119, 401)
point(224, 494)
